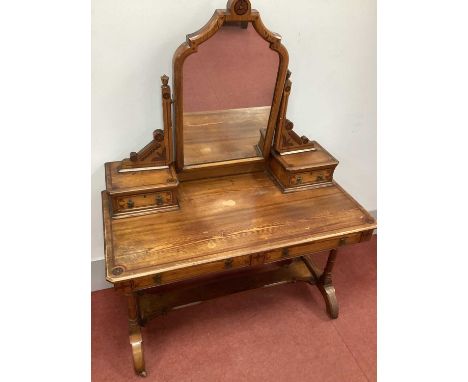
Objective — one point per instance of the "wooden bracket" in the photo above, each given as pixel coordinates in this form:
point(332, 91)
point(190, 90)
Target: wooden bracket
point(159, 152)
point(286, 139)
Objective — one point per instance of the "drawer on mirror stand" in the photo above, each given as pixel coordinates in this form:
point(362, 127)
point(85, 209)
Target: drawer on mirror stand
point(140, 192)
point(303, 170)
point(137, 204)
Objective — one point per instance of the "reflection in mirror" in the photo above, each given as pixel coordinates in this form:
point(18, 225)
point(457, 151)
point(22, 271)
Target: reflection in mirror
point(228, 88)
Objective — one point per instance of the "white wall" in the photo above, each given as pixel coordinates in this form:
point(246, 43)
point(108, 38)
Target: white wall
point(332, 48)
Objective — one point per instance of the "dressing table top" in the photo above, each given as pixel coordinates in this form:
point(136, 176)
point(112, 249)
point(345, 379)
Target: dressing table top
point(224, 218)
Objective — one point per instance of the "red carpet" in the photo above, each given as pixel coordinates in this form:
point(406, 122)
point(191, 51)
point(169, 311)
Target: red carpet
point(281, 333)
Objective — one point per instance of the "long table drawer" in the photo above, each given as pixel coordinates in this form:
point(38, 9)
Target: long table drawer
point(192, 272)
point(305, 249)
point(248, 260)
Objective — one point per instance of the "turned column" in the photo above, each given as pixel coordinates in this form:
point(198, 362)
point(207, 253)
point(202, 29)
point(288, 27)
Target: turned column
point(326, 278)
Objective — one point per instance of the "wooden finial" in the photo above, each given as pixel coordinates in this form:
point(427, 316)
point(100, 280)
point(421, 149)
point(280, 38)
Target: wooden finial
point(158, 135)
point(288, 125)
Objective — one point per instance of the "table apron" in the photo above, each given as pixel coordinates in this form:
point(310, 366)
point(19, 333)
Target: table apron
point(239, 262)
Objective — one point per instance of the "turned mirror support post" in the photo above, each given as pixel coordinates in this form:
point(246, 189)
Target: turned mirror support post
point(135, 337)
point(167, 118)
point(287, 141)
point(282, 113)
point(157, 154)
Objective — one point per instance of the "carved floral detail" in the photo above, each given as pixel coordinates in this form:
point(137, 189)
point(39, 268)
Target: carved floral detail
point(117, 271)
point(241, 7)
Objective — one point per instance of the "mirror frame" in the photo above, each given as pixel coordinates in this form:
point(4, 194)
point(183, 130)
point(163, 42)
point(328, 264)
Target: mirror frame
point(236, 11)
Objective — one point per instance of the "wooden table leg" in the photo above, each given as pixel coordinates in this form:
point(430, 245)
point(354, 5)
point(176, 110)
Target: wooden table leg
point(326, 287)
point(323, 281)
point(135, 336)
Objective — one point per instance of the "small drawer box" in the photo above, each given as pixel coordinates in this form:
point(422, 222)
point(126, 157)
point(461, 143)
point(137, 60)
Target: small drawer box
point(135, 193)
point(303, 170)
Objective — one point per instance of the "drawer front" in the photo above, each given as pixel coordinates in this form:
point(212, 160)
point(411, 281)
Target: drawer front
point(311, 177)
point(195, 271)
point(306, 249)
point(244, 261)
point(141, 201)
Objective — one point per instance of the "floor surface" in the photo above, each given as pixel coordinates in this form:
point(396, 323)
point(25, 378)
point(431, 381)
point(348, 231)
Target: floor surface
point(281, 333)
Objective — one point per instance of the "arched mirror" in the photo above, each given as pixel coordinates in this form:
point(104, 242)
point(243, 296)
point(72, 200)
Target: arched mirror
point(228, 82)
point(228, 87)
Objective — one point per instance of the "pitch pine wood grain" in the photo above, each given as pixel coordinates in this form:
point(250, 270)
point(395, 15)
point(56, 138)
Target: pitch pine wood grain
point(228, 217)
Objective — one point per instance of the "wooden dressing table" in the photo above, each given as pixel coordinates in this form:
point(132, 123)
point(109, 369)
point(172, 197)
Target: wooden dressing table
point(233, 199)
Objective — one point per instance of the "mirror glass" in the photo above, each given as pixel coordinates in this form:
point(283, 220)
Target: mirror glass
point(228, 87)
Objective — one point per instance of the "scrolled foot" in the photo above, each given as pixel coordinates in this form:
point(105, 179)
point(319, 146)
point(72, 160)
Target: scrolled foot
point(329, 295)
point(138, 359)
point(135, 336)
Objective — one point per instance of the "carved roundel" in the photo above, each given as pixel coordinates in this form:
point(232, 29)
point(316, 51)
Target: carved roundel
point(241, 7)
point(117, 271)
